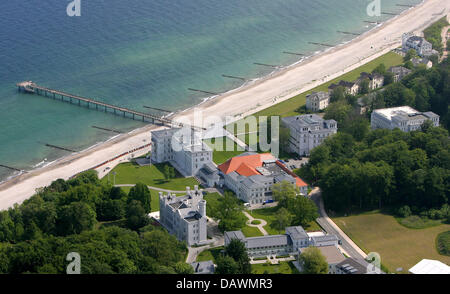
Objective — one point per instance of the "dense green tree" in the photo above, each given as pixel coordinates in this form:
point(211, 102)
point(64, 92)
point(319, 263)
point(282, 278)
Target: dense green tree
point(136, 215)
point(110, 210)
point(313, 261)
point(283, 219)
point(75, 218)
point(364, 86)
point(303, 210)
point(338, 111)
point(183, 268)
point(338, 94)
point(117, 193)
point(236, 250)
point(141, 193)
point(283, 192)
point(226, 265)
point(410, 55)
point(230, 213)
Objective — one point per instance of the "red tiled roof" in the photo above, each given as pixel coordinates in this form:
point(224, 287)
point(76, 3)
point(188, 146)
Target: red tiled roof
point(245, 164)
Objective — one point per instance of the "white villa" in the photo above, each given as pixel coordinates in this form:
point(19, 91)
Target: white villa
point(184, 217)
point(186, 152)
point(308, 131)
point(317, 101)
point(404, 117)
point(422, 46)
point(251, 176)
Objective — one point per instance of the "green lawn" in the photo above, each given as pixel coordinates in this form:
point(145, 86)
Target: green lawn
point(210, 254)
point(221, 156)
point(397, 245)
point(212, 204)
point(251, 232)
point(268, 214)
point(417, 222)
point(151, 175)
point(154, 197)
point(285, 267)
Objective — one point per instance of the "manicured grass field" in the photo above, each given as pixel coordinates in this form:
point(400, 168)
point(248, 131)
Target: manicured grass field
point(251, 232)
point(212, 204)
point(285, 267)
point(154, 197)
point(151, 175)
point(210, 254)
point(220, 156)
point(269, 214)
point(397, 245)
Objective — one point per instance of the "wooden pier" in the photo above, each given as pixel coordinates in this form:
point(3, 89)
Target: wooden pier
point(404, 5)
point(32, 88)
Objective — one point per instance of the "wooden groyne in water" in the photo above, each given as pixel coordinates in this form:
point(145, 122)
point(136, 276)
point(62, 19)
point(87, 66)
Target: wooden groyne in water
point(12, 168)
point(321, 44)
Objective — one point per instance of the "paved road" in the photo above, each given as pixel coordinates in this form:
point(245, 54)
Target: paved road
point(331, 228)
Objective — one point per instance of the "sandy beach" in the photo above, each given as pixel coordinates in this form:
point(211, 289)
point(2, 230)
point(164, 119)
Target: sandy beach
point(242, 102)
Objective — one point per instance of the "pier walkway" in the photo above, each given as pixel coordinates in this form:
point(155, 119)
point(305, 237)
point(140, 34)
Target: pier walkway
point(33, 88)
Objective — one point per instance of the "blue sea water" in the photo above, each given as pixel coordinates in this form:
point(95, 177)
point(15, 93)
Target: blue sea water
point(145, 52)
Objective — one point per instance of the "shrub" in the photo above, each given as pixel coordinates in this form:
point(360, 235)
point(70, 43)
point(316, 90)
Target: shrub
point(443, 243)
point(404, 211)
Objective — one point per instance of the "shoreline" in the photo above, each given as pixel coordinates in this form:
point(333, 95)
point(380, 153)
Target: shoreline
point(23, 186)
point(244, 86)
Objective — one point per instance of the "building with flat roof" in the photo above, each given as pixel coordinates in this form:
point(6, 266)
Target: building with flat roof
point(317, 101)
point(404, 117)
point(307, 132)
point(429, 266)
point(185, 216)
point(291, 242)
point(251, 176)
